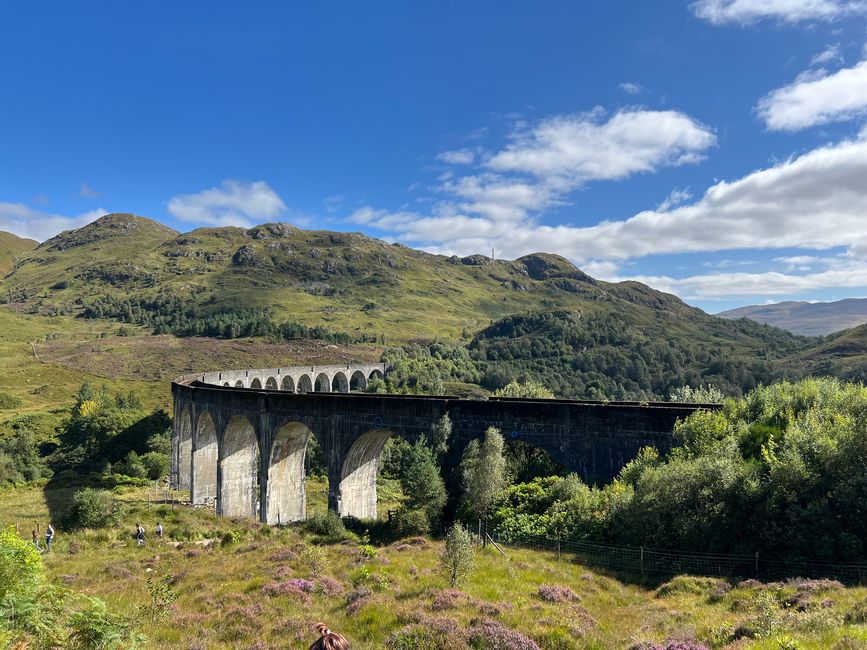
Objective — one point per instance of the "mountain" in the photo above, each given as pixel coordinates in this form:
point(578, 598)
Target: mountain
point(11, 247)
point(537, 315)
point(137, 269)
point(807, 318)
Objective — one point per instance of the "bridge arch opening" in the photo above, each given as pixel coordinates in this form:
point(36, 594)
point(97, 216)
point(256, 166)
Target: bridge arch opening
point(305, 384)
point(226, 385)
point(271, 384)
point(203, 486)
point(239, 383)
point(239, 469)
point(358, 381)
point(323, 384)
point(288, 384)
point(184, 436)
point(375, 375)
point(256, 383)
point(286, 499)
point(357, 489)
point(340, 384)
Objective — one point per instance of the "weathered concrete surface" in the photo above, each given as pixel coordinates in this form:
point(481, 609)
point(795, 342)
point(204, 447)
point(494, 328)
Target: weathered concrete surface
point(594, 439)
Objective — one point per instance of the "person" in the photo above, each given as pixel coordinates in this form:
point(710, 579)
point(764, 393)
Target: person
point(35, 539)
point(49, 537)
point(328, 640)
point(139, 534)
point(159, 530)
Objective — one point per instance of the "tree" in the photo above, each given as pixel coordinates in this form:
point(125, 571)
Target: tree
point(704, 394)
point(441, 431)
point(484, 472)
point(458, 556)
point(421, 481)
point(528, 389)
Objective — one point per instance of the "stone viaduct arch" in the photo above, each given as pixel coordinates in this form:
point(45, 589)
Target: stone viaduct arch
point(247, 446)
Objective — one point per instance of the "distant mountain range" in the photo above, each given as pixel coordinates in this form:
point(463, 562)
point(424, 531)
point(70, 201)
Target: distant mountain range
point(806, 318)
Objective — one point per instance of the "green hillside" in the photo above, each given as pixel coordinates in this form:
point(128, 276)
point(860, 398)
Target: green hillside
point(11, 247)
point(132, 268)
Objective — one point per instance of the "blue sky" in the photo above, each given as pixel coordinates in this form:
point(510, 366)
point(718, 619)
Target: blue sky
point(715, 149)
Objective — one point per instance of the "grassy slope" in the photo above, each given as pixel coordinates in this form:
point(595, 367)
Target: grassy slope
point(346, 281)
point(11, 248)
point(227, 608)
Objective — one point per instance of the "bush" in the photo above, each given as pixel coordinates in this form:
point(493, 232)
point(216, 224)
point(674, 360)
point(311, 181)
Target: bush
point(8, 401)
point(156, 465)
point(410, 523)
point(328, 525)
point(93, 509)
point(131, 466)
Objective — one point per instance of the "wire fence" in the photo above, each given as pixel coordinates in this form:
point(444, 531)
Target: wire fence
point(660, 563)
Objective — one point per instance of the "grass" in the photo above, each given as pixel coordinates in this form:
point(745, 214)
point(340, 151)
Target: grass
point(239, 595)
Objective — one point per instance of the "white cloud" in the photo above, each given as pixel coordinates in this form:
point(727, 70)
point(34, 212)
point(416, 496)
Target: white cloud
point(630, 88)
point(87, 192)
point(714, 286)
point(812, 202)
point(830, 54)
point(816, 98)
point(234, 203)
point(24, 221)
point(791, 11)
point(576, 149)
point(457, 157)
point(333, 203)
point(674, 198)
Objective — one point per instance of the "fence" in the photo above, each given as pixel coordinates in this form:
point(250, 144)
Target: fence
point(660, 563)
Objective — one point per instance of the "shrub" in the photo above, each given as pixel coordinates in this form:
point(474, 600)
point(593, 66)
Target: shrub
point(410, 523)
point(327, 525)
point(9, 401)
point(315, 559)
point(93, 508)
point(555, 594)
point(131, 466)
point(156, 465)
point(458, 556)
point(492, 635)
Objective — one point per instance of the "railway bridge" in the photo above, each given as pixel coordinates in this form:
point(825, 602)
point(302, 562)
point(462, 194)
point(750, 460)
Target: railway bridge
point(240, 437)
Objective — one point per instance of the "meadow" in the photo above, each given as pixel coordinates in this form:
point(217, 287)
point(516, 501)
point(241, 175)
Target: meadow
point(239, 584)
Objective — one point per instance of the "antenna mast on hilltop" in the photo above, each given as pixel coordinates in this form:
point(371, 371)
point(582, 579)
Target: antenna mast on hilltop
point(492, 253)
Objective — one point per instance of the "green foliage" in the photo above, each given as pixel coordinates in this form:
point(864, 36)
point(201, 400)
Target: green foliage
point(19, 454)
point(421, 481)
point(327, 525)
point(9, 401)
point(92, 508)
point(484, 472)
point(103, 429)
point(409, 523)
point(779, 472)
point(525, 389)
point(20, 567)
point(704, 394)
point(156, 464)
point(458, 556)
point(95, 628)
point(162, 597)
point(418, 369)
point(630, 353)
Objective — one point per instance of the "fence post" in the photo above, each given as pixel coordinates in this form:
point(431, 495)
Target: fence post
point(558, 545)
point(641, 555)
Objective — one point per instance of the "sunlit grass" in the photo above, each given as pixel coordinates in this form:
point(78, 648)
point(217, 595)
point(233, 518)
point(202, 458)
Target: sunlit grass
point(227, 600)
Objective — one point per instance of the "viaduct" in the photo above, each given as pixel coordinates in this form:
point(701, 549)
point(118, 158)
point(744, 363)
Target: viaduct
point(240, 437)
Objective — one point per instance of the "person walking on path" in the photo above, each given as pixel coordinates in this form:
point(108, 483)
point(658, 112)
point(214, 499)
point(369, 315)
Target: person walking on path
point(139, 534)
point(35, 540)
point(49, 537)
point(159, 530)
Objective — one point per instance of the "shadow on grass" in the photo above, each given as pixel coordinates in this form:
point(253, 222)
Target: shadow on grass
point(61, 488)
